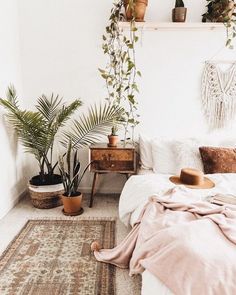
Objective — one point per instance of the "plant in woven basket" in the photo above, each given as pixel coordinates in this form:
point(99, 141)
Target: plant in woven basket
point(222, 11)
point(37, 131)
point(121, 72)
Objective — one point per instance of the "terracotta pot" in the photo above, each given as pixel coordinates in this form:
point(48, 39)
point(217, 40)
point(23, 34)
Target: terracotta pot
point(179, 14)
point(72, 205)
point(113, 140)
point(139, 9)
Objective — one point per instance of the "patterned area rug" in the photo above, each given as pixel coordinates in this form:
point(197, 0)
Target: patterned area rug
point(53, 257)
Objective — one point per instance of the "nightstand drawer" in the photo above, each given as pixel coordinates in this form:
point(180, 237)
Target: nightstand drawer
point(117, 166)
point(112, 155)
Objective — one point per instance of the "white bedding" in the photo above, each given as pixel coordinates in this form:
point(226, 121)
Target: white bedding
point(139, 188)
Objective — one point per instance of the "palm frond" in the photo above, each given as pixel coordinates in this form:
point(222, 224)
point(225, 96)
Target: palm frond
point(93, 126)
point(49, 107)
point(55, 115)
point(66, 111)
point(11, 95)
point(54, 111)
point(28, 125)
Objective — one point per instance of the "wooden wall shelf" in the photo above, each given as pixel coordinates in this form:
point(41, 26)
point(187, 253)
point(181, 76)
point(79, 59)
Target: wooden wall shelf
point(156, 26)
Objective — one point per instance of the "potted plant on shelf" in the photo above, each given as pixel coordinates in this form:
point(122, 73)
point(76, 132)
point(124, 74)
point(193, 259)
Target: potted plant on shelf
point(37, 131)
point(222, 11)
point(70, 170)
point(113, 137)
point(135, 9)
point(179, 12)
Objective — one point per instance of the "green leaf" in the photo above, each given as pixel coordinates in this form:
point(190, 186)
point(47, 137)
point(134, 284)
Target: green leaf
point(94, 125)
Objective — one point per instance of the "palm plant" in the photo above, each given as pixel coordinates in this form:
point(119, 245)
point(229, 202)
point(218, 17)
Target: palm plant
point(37, 129)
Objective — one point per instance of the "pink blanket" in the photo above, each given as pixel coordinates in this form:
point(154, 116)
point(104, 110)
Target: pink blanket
point(191, 248)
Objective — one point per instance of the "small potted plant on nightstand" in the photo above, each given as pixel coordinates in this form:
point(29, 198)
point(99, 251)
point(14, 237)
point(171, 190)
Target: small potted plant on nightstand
point(71, 174)
point(179, 12)
point(113, 137)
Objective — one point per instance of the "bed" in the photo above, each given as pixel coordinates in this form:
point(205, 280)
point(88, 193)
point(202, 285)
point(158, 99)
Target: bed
point(145, 205)
point(136, 193)
point(161, 158)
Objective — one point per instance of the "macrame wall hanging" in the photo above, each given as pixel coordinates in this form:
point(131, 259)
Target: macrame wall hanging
point(219, 94)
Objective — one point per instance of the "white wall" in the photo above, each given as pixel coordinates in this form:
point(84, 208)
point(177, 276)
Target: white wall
point(12, 180)
point(172, 63)
point(60, 51)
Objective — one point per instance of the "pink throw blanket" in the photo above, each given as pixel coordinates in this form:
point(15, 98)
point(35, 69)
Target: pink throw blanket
point(191, 248)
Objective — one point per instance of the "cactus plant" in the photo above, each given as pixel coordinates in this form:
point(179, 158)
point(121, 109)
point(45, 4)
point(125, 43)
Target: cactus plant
point(179, 3)
point(114, 130)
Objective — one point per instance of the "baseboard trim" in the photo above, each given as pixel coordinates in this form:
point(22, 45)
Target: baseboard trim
point(22, 196)
point(14, 203)
point(85, 189)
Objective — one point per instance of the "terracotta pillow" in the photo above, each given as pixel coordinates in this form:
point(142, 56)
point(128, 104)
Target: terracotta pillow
point(218, 160)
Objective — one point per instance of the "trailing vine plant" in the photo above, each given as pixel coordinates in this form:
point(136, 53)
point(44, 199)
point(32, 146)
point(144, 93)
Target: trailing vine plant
point(222, 11)
point(120, 73)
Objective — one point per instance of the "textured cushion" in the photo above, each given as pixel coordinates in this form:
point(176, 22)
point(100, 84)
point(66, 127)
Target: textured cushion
point(218, 160)
point(164, 158)
point(145, 152)
point(187, 154)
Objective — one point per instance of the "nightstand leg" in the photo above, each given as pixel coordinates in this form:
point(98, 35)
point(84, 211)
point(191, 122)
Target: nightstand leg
point(95, 177)
point(127, 176)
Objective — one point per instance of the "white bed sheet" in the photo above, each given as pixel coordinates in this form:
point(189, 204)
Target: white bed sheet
point(136, 193)
point(145, 172)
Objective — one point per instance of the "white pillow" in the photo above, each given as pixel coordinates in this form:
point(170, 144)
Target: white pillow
point(145, 152)
point(163, 156)
point(187, 150)
point(188, 155)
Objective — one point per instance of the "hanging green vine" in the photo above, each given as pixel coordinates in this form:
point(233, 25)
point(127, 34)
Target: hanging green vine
point(121, 72)
point(222, 11)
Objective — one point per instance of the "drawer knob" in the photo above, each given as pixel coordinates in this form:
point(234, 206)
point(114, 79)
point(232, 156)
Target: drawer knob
point(112, 165)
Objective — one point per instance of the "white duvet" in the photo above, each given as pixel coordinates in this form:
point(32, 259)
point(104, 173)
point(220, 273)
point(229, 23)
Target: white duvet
point(139, 188)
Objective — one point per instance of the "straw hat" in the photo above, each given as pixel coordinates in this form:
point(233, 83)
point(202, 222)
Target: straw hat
point(192, 178)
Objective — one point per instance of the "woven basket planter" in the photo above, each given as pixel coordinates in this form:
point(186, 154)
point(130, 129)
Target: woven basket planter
point(47, 196)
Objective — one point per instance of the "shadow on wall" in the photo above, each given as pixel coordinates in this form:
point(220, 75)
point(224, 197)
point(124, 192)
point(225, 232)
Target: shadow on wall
point(12, 160)
point(11, 137)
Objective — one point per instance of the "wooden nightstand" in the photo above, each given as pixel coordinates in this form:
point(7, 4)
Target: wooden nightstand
point(121, 159)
